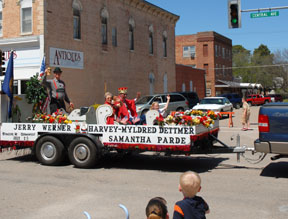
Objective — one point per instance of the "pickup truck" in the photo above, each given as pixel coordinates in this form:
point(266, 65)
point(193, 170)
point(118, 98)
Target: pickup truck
point(273, 129)
point(257, 99)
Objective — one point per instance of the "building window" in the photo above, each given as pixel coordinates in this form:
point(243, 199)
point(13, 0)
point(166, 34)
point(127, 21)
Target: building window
point(208, 92)
point(151, 49)
point(216, 50)
point(114, 36)
point(131, 33)
point(151, 43)
point(165, 46)
point(191, 86)
point(76, 24)
point(165, 83)
point(77, 8)
point(183, 87)
point(164, 43)
point(205, 50)
point(104, 24)
point(206, 67)
point(189, 51)
point(26, 16)
point(223, 53)
point(104, 30)
point(151, 83)
point(1, 28)
point(223, 70)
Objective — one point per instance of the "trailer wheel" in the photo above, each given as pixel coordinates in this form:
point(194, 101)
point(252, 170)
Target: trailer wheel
point(50, 151)
point(82, 153)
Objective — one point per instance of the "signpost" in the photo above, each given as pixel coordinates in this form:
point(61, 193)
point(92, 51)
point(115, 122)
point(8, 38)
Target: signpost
point(264, 14)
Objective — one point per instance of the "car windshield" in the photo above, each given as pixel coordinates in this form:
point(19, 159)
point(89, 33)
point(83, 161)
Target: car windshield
point(144, 100)
point(212, 101)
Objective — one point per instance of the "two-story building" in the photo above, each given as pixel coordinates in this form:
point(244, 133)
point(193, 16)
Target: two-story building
point(100, 45)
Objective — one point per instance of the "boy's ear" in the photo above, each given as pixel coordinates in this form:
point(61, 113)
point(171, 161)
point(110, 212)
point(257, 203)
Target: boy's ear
point(179, 188)
point(199, 189)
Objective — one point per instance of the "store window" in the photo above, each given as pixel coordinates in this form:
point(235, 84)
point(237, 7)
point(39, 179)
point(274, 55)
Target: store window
point(26, 16)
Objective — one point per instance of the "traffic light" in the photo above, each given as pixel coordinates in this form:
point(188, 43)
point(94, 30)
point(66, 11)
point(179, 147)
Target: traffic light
point(2, 63)
point(234, 13)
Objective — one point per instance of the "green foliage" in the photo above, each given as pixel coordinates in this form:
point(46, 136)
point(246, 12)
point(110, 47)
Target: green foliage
point(35, 92)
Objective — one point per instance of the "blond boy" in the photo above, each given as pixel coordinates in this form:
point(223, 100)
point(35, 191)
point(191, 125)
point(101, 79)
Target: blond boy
point(192, 206)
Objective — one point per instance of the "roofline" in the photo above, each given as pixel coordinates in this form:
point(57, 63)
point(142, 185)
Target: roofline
point(161, 9)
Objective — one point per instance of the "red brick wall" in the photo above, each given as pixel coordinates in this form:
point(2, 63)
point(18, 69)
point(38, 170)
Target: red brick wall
point(210, 39)
point(185, 74)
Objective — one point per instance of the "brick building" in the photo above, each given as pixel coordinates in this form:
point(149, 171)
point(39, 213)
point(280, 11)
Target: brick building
point(100, 45)
point(210, 51)
point(190, 79)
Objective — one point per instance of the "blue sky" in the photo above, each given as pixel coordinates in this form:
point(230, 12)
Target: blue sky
point(211, 15)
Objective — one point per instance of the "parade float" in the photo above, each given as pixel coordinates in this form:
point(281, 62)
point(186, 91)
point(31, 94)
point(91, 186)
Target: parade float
point(84, 136)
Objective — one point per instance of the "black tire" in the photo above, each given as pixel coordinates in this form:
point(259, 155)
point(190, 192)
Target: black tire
point(180, 109)
point(82, 153)
point(237, 106)
point(50, 151)
point(249, 103)
point(266, 101)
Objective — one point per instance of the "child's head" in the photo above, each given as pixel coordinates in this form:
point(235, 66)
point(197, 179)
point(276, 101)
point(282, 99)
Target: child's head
point(116, 101)
point(154, 106)
point(190, 184)
point(157, 209)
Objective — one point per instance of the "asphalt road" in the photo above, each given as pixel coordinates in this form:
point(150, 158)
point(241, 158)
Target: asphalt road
point(232, 190)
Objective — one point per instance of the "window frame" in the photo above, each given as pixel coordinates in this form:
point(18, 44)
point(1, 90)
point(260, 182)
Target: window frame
point(189, 52)
point(22, 20)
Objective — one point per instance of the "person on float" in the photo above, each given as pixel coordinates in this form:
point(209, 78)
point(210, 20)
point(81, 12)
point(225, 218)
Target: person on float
point(108, 100)
point(57, 91)
point(127, 111)
point(155, 106)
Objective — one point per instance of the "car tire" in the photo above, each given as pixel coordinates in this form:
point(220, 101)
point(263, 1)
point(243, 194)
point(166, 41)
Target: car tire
point(237, 106)
point(266, 101)
point(249, 103)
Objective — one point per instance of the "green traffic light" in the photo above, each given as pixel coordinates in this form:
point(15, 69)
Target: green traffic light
point(234, 21)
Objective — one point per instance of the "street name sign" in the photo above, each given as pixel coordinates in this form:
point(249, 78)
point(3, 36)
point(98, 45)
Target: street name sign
point(264, 14)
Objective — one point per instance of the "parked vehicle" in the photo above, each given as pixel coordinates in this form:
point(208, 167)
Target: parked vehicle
point(275, 97)
point(273, 129)
point(217, 104)
point(235, 99)
point(257, 99)
point(192, 98)
point(177, 102)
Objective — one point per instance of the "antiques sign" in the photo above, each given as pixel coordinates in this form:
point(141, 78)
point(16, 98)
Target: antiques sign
point(66, 58)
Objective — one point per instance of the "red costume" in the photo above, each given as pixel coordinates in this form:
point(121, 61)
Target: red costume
point(126, 105)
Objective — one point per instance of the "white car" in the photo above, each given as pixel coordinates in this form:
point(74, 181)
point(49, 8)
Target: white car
point(216, 104)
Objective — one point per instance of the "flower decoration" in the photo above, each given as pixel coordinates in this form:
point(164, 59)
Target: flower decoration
point(190, 118)
point(57, 117)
